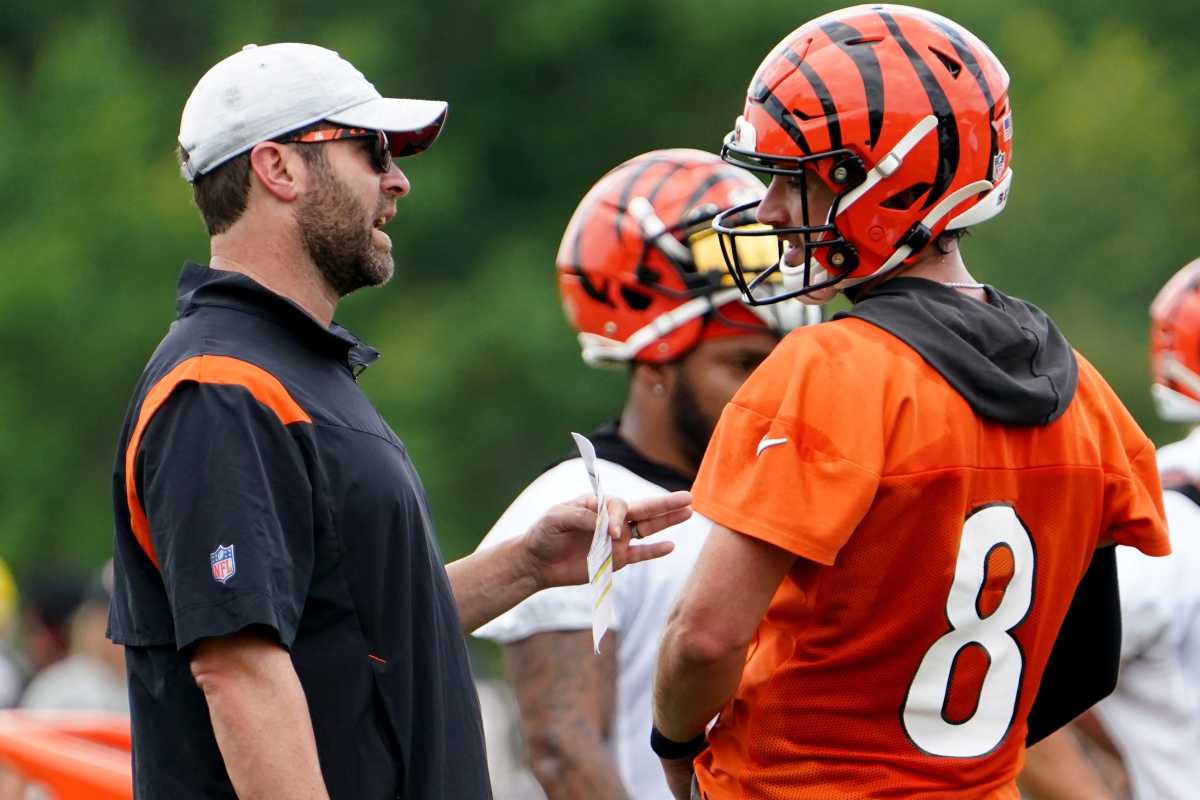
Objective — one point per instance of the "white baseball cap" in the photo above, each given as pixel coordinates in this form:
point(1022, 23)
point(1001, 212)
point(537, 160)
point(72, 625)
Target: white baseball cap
point(263, 92)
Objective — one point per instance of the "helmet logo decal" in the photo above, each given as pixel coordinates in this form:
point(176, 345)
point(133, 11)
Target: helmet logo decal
point(948, 153)
point(851, 42)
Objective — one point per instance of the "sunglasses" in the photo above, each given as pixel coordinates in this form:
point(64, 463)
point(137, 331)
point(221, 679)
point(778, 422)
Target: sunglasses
point(381, 154)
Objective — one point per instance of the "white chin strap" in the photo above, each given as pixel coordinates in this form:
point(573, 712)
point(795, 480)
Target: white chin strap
point(1175, 406)
point(989, 206)
point(601, 351)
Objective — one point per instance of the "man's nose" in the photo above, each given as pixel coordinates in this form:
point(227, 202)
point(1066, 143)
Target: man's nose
point(395, 182)
point(772, 210)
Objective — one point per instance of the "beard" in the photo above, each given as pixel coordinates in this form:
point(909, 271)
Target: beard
point(337, 237)
point(692, 426)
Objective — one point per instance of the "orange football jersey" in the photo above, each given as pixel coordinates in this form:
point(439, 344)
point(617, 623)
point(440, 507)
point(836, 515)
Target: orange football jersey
point(939, 555)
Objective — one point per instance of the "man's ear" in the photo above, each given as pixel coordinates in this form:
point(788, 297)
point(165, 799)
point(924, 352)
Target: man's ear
point(657, 380)
point(276, 168)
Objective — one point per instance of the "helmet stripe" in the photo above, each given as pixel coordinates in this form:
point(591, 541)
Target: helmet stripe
point(827, 105)
point(627, 189)
point(600, 293)
point(847, 40)
point(665, 179)
point(948, 150)
point(968, 58)
point(705, 187)
point(778, 112)
point(954, 36)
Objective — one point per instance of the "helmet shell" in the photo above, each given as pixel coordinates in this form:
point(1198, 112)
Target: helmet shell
point(859, 80)
point(614, 279)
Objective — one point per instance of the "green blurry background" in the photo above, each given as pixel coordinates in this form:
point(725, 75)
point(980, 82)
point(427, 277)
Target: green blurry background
point(480, 375)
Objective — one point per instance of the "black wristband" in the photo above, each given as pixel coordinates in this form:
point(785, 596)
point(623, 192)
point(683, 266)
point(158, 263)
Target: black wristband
point(672, 750)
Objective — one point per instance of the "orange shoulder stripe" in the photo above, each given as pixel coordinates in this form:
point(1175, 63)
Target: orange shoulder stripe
point(223, 370)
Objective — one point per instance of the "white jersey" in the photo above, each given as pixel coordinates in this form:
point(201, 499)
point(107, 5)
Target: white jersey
point(644, 594)
point(1153, 716)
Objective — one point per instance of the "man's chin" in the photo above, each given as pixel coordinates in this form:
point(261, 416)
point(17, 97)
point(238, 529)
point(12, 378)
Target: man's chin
point(384, 278)
point(381, 271)
point(820, 297)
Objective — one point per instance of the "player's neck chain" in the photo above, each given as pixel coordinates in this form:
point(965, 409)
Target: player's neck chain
point(963, 285)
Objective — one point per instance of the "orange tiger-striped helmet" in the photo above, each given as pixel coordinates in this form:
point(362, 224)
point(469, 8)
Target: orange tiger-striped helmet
point(901, 113)
point(640, 270)
point(1175, 346)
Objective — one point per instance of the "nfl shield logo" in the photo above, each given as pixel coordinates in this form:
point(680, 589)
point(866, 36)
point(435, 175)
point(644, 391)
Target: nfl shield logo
point(223, 565)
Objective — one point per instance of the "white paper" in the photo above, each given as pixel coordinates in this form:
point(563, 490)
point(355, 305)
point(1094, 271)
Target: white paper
point(599, 560)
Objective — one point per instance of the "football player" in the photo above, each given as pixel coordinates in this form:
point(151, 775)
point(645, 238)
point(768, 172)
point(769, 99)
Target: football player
point(906, 499)
point(643, 282)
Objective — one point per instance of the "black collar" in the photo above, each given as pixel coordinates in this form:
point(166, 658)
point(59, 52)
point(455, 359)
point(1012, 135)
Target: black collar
point(610, 446)
point(201, 286)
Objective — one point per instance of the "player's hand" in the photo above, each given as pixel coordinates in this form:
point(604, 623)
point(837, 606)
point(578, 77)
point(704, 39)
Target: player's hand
point(679, 774)
point(557, 545)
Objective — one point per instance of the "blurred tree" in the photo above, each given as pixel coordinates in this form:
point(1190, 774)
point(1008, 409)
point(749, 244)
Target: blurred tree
point(480, 375)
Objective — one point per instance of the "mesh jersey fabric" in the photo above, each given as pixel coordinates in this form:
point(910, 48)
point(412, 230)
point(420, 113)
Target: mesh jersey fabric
point(892, 662)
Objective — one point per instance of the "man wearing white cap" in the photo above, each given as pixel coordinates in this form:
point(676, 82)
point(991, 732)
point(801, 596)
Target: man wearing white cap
point(289, 628)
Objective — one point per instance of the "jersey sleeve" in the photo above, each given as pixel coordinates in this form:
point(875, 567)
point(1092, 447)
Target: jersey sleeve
point(562, 608)
point(1150, 586)
point(229, 503)
point(796, 457)
point(1134, 504)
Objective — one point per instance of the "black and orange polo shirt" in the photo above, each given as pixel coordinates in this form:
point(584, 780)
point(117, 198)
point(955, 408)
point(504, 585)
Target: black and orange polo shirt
point(256, 485)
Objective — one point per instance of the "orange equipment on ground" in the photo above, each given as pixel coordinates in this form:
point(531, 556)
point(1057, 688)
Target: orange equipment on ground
point(72, 755)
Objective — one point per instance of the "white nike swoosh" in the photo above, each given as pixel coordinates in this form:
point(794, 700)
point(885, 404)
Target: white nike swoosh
point(765, 443)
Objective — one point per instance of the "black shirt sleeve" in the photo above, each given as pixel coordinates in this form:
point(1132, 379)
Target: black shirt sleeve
point(1083, 665)
point(229, 500)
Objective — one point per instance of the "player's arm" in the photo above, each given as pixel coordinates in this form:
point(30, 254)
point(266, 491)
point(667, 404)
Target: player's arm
point(1057, 769)
point(704, 646)
point(553, 552)
point(259, 716)
point(565, 694)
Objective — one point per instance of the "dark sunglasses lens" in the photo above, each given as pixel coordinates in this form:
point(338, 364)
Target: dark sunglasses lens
point(383, 155)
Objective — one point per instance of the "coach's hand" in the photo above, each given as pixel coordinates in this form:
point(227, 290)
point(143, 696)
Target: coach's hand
point(557, 545)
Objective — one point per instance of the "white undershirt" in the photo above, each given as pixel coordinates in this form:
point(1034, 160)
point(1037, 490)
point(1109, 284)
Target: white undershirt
point(1154, 715)
point(644, 595)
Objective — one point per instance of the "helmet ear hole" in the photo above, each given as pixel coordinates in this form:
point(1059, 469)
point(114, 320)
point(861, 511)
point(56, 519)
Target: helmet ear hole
point(635, 299)
point(905, 199)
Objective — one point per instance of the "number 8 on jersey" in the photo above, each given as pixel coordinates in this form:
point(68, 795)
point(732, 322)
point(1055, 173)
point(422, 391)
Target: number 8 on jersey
point(925, 721)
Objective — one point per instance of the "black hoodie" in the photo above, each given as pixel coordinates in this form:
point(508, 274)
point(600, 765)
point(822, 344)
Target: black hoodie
point(1005, 357)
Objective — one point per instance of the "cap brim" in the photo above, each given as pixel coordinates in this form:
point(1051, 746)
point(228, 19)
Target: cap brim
point(412, 125)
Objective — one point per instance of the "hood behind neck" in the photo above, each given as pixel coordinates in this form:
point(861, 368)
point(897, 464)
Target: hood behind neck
point(1006, 358)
